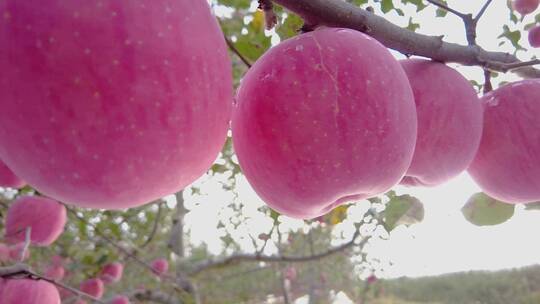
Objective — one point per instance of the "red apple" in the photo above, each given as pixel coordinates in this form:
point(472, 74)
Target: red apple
point(322, 119)
point(525, 7)
point(507, 165)
point(449, 122)
point(112, 105)
point(55, 272)
point(160, 266)
point(44, 216)
point(27, 291)
point(93, 287)
point(112, 273)
point(534, 36)
point(120, 300)
point(8, 179)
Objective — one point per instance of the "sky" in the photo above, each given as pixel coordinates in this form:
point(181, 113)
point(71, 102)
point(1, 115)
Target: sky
point(444, 242)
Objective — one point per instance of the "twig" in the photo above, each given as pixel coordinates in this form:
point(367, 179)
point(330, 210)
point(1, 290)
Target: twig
point(269, 15)
point(154, 228)
point(487, 83)
point(237, 52)
point(240, 257)
point(482, 10)
point(447, 8)
point(27, 239)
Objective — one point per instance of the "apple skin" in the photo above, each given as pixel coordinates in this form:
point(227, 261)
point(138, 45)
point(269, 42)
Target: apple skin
point(27, 291)
point(534, 36)
point(55, 272)
point(112, 105)
point(525, 7)
point(93, 287)
point(8, 179)
point(119, 300)
point(449, 122)
point(507, 164)
point(160, 266)
point(112, 273)
point(45, 216)
point(322, 119)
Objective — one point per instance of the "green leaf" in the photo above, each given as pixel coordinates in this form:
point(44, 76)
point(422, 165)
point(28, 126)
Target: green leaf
point(482, 210)
point(402, 210)
point(386, 6)
point(420, 5)
point(512, 36)
point(412, 26)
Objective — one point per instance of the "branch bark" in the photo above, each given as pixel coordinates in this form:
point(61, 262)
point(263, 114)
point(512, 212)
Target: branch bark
point(241, 257)
point(338, 13)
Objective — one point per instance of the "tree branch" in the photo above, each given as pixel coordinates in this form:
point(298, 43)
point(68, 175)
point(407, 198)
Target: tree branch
point(233, 48)
point(154, 228)
point(342, 14)
point(153, 296)
point(241, 257)
point(482, 10)
point(447, 8)
point(23, 270)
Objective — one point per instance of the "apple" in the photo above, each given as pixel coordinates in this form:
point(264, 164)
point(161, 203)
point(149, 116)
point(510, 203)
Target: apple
point(507, 164)
point(93, 287)
point(112, 273)
point(160, 266)
point(449, 122)
point(322, 119)
point(112, 105)
point(27, 291)
point(45, 217)
point(120, 300)
point(534, 36)
point(525, 7)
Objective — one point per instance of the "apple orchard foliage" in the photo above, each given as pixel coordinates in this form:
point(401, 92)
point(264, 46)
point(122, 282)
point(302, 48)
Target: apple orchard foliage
point(114, 105)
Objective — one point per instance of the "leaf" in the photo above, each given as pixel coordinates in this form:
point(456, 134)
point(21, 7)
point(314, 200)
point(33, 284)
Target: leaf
point(512, 36)
point(338, 214)
point(482, 210)
point(402, 210)
point(420, 5)
point(258, 21)
point(274, 215)
point(386, 6)
point(440, 12)
point(412, 26)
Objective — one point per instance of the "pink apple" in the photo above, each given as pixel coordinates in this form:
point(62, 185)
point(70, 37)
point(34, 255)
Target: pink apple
point(112, 105)
point(507, 165)
point(525, 7)
point(26, 291)
point(534, 36)
point(15, 252)
point(112, 273)
point(55, 272)
point(449, 122)
point(324, 118)
point(120, 300)
point(93, 287)
point(44, 216)
point(160, 266)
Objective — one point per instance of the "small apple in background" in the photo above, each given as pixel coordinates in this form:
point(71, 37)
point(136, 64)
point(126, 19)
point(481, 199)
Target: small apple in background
point(93, 287)
point(160, 266)
point(525, 7)
point(534, 36)
point(112, 273)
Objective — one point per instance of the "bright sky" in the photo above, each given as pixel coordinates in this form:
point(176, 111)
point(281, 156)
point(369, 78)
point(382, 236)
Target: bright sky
point(444, 242)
